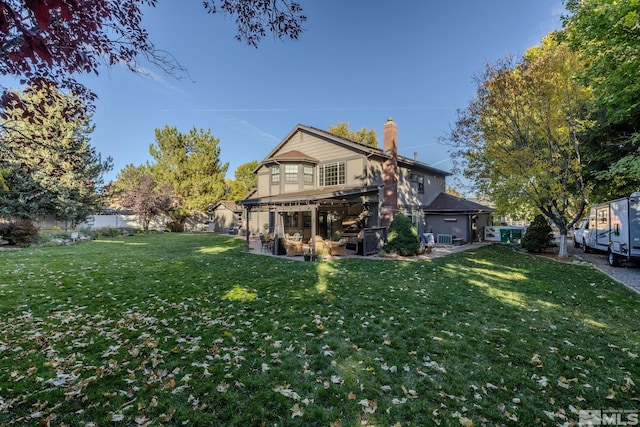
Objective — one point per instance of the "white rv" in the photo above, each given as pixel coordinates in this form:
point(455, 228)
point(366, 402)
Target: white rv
point(614, 227)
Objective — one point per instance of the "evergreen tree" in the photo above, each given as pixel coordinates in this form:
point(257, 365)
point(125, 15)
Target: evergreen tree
point(48, 165)
point(402, 237)
point(538, 236)
point(190, 164)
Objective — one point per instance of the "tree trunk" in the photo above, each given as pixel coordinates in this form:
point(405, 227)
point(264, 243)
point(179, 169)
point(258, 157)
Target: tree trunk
point(562, 250)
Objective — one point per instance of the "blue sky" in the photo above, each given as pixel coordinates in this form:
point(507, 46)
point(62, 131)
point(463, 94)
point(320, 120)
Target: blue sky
point(358, 61)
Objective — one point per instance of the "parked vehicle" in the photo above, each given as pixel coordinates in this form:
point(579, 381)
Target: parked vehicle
point(579, 233)
point(614, 227)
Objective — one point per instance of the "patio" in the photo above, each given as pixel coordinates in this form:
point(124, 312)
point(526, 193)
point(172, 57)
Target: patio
point(255, 246)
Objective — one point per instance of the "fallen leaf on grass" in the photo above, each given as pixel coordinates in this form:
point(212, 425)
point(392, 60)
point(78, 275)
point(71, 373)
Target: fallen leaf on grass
point(410, 394)
point(368, 406)
point(117, 417)
point(535, 361)
point(169, 415)
point(566, 383)
point(297, 411)
point(286, 391)
point(143, 421)
point(222, 387)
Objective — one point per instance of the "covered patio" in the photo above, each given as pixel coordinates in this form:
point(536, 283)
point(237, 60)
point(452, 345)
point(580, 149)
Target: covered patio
point(318, 221)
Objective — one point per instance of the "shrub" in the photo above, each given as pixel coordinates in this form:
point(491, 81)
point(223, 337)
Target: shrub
point(20, 232)
point(402, 237)
point(175, 226)
point(107, 232)
point(539, 235)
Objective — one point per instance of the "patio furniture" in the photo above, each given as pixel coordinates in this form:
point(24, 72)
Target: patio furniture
point(293, 248)
point(338, 248)
point(318, 246)
point(266, 243)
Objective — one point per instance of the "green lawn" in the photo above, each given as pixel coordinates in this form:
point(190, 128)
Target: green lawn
point(186, 329)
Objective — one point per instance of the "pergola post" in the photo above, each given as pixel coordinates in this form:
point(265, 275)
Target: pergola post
point(247, 230)
point(314, 219)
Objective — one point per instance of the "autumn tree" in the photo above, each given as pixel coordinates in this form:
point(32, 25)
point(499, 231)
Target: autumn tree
point(48, 165)
point(606, 34)
point(362, 136)
point(56, 40)
point(453, 191)
point(517, 139)
point(191, 164)
point(136, 188)
point(245, 180)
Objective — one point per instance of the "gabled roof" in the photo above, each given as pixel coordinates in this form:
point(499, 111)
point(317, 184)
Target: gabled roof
point(448, 203)
point(294, 155)
point(353, 145)
point(229, 204)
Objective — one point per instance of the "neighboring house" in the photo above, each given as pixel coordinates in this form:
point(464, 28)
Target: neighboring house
point(317, 183)
point(225, 216)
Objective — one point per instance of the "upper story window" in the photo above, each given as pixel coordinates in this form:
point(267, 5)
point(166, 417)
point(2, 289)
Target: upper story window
point(332, 174)
point(308, 174)
point(291, 173)
point(419, 179)
point(275, 173)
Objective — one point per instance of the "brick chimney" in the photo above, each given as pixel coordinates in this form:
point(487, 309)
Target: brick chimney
point(389, 173)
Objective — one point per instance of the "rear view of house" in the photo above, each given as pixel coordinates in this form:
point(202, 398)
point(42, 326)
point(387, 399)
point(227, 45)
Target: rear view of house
point(316, 183)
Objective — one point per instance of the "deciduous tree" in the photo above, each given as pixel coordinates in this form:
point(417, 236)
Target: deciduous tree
point(606, 33)
point(245, 180)
point(362, 136)
point(517, 139)
point(136, 188)
point(56, 40)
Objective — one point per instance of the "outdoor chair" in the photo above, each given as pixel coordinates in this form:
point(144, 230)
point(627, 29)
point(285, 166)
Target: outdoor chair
point(293, 248)
point(266, 243)
point(338, 248)
point(319, 244)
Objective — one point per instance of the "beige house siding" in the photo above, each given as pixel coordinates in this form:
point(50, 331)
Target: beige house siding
point(408, 194)
point(264, 181)
point(356, 165)
point(315, 147)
